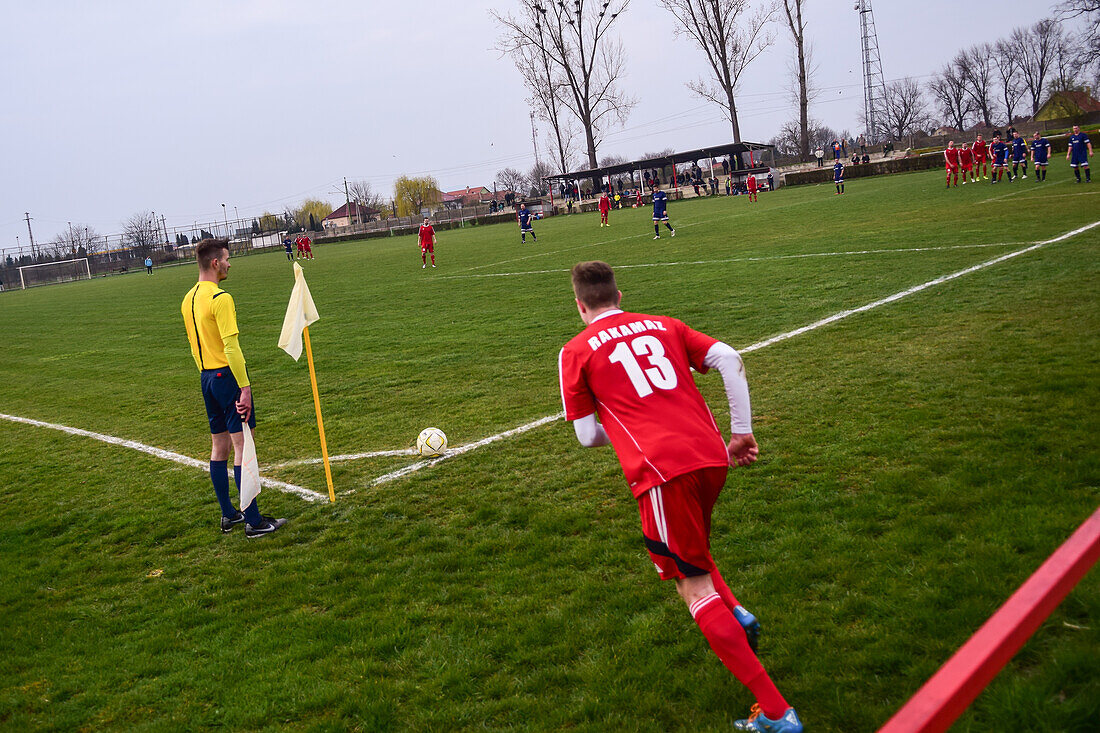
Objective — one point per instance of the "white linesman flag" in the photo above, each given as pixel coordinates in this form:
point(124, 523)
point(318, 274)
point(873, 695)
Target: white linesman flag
point(299, 313)
point(250, 469)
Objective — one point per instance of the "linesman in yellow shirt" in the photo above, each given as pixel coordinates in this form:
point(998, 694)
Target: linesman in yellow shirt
point(211, 322)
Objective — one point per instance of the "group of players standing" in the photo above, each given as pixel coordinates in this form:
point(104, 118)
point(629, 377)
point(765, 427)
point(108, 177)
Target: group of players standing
point(976, 160)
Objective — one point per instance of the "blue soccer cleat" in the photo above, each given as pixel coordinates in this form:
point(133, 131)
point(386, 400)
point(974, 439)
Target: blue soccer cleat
point(749, 624)
point(759, 723)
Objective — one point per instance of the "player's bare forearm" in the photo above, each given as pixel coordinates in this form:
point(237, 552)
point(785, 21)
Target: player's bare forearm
point(742, 449)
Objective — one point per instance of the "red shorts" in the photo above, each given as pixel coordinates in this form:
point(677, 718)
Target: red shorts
point(307, 248)
point(427, 247)
point(676, 522)
point(952, 169)
point(968, 166)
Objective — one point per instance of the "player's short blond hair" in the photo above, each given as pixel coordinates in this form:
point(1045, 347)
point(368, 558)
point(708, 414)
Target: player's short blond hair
point(594, 284)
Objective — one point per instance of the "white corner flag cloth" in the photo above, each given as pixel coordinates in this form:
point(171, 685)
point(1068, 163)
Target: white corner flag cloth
point(299, 313)
point(250, 470)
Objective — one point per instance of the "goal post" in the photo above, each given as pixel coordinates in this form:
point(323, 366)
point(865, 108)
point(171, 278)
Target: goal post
point(48, 273)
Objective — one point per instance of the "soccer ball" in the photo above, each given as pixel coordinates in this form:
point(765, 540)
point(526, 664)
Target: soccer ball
point(431, 442)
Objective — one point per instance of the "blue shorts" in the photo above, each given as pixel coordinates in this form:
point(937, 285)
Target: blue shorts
point(220, 393)
point(1079, 160)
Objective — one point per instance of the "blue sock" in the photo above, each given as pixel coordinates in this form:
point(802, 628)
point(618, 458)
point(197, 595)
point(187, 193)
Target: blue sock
point(219, 476)
point(251, 512)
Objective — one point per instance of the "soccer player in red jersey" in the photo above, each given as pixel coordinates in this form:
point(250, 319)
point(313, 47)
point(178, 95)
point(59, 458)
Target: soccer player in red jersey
point(427, 243)
point(951, 157)
point(626, 380)
point(605, 206)
point(966, 161)
point(981, 159)
point(750, 184)
point(304, 250)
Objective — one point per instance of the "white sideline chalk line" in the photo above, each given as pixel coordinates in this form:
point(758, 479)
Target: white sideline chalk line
point(460, 450)
point(167, 455)
point(1040, 187)
point(753, 347)
point(767, 258)
point(344, 457)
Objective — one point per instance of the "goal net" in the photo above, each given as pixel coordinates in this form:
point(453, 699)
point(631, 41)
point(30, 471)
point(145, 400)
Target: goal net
point(47, 273)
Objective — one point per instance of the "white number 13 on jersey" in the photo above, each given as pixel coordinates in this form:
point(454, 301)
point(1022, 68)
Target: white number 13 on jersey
point(660, 372)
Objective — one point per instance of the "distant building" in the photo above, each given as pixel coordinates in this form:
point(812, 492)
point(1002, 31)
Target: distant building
point(465, 197)
point(1067, 104)
point(349, 214)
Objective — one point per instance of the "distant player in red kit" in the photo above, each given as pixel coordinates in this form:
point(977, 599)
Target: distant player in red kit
point(981, 159)
point(605, 207)
point(951, 157)
point(304, 249)
point(427, 243)
point(626, 379)
point(750, 184)
point(966, 162)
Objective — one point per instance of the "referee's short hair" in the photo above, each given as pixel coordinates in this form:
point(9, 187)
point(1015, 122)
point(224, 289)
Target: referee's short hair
point(210, 250)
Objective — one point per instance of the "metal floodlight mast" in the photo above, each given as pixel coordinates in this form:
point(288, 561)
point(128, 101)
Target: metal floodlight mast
point(874, 84)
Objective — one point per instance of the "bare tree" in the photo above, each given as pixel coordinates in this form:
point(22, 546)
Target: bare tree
point(731, 38)
point(793, 10)
point(1007, 66)
point(948, 87)
point(1035, 48)
point(510, 179)
point(1067, 71)
point(536, 178)
point(577, 41)
point(142, 232)
point(789, 139)
point(363, 193)
point(906, 108)
point(1087, 42)
point(544, 80)
point(976, 66)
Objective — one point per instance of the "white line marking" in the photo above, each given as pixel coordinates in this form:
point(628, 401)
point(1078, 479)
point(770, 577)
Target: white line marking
point(167, 455)
point(344, 457)
point(770, 258)
point(753, 347)
point(462, 449)
point(1022, 190)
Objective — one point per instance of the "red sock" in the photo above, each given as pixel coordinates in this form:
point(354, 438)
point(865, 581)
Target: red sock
point(724, 590)
point(727, 639)
point(433, 258)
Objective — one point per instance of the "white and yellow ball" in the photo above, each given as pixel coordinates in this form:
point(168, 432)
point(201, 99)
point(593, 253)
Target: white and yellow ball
point(431, 442)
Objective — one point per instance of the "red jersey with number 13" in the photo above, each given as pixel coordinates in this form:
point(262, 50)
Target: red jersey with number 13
point(634, 372)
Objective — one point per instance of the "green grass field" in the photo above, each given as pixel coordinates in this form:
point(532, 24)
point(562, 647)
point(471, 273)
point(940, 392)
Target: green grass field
point(918, 462)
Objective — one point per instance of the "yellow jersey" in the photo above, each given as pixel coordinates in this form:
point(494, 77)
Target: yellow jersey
point(210, 318)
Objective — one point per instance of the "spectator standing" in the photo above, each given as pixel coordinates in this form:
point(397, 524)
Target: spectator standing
point(820, 155)
point(148, 265)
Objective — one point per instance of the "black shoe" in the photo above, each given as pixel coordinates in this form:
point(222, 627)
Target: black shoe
point(228, 523)
point(270, 524)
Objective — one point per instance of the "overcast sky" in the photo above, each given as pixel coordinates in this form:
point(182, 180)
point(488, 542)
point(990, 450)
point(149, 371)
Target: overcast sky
point(117, 107)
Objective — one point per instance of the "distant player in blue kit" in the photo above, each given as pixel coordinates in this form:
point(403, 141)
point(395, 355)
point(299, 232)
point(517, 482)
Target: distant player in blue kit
point(999, 152)
point(1040, 152)
point(525, 227)
point(1018, 147)
point(286, 246)
point(660, 212)
point(1078, 153)
point(838, 177)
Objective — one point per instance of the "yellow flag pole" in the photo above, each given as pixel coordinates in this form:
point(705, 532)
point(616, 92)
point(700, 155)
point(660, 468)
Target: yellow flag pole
point(317, 406)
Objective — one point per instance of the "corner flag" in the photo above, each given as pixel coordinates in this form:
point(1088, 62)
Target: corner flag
point(250, 469)
point(301, 312)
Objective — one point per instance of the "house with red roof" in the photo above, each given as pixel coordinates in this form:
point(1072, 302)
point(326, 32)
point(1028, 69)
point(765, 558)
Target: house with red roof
point(348, 214)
